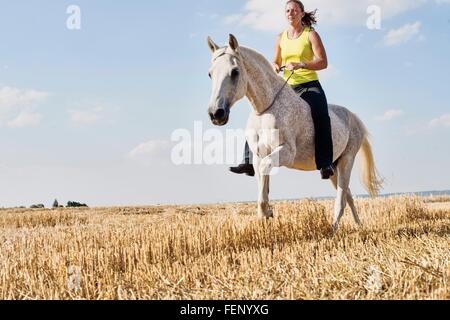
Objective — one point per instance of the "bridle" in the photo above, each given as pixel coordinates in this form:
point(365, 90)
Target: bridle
point(224, 53)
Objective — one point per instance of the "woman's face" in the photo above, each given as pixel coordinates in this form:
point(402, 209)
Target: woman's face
point(294, 13)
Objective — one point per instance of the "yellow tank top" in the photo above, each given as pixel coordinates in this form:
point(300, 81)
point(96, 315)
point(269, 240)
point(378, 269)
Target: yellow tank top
point(297, 50)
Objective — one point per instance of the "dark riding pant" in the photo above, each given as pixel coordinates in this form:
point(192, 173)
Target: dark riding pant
point(312, 92)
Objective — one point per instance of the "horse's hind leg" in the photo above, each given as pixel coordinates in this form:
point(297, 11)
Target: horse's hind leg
point(350, 200)
point(344, 169)
point(351, 203)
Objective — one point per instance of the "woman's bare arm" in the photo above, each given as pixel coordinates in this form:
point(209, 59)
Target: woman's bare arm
point(320, 61)
point(277, 57)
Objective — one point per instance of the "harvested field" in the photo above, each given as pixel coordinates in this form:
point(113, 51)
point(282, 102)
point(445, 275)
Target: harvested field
point(224, 252)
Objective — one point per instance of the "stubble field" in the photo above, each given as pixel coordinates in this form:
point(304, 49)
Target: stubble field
point(224, 252)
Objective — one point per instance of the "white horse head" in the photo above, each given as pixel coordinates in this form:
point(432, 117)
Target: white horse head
point(229, 80)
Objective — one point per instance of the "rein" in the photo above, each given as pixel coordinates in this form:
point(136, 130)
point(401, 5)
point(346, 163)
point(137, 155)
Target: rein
point(277, 95)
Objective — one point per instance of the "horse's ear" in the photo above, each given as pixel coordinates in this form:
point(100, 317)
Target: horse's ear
point(233, 43)
point(212, 46)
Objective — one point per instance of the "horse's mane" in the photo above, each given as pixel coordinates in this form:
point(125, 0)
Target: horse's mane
point(262, 61)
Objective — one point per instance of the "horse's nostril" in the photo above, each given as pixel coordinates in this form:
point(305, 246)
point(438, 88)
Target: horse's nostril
point(219, 114)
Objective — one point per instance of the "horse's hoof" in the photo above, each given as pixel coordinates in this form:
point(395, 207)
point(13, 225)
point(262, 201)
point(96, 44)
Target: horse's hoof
point(260, 215)
point(265, 216)
point(334, 230)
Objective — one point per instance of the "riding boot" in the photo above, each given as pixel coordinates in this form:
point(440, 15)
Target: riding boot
point(327, 172)
point(247, 166)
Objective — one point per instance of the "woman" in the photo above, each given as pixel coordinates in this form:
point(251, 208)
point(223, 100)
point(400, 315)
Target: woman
point(301, 51)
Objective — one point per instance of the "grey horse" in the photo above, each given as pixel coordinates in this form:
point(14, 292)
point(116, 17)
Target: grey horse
point(239, 72)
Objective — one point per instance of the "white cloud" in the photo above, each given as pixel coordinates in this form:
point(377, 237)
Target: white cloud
point(442, 1)
point(443, 120)
point(14, 97)
point(152, 148)
point(268, 15)
point(212, 16)
point(234, 18)
point(25, 119)
point(17, 105)
point(86, 116)
point(403, 34)
point(390, 115)
point(329, 73)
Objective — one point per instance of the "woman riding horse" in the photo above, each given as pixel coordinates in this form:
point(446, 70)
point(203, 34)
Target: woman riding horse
point(301, 51)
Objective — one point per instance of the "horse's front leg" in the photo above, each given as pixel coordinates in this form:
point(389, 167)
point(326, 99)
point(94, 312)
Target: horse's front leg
point(281, 156)
point(263, 190)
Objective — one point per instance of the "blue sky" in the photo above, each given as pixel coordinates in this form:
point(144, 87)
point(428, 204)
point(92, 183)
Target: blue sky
point(87, 114)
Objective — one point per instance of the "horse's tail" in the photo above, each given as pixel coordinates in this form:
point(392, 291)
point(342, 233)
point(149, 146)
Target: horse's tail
point(370, 176)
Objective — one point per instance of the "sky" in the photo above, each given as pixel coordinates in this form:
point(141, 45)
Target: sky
point(90, 97)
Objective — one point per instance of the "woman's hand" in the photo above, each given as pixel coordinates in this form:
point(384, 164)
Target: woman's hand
point(292, 66)
point(276, 67)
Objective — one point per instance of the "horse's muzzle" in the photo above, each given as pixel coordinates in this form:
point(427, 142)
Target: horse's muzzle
point(220, 116)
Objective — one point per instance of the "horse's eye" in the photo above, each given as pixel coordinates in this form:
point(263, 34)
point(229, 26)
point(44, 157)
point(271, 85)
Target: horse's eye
point(234, 73)
point(209, 74)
